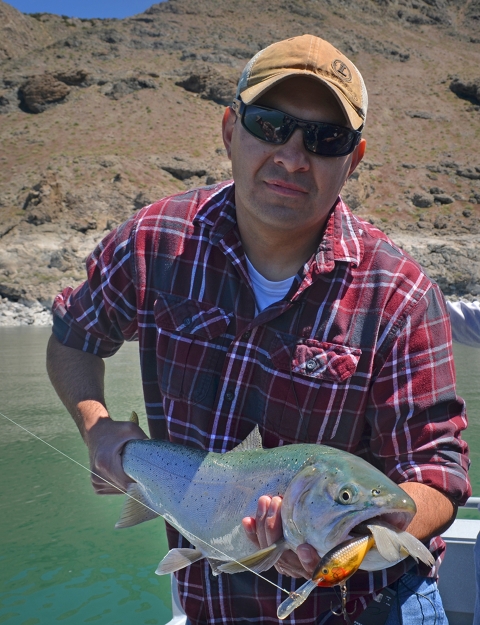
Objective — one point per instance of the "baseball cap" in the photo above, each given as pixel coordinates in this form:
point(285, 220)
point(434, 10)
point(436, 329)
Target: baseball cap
point(311, 56)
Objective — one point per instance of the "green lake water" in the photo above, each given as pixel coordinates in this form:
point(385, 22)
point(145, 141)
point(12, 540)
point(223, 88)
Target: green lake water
point(61, 560)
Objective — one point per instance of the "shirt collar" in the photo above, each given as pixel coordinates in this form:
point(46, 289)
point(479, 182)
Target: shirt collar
point(217, 211)
point(341, 241)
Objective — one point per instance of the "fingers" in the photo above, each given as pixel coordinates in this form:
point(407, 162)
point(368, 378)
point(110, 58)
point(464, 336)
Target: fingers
point(268, 520)
point(106, 440)
point(108, 478)
point(299, 564)
point(250, 528)
point(308, 558)
point(266, 528)
point(290, 565)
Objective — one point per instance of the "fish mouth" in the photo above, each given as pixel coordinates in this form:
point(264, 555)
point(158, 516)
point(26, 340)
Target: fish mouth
point(397, 520)
point(355, 524)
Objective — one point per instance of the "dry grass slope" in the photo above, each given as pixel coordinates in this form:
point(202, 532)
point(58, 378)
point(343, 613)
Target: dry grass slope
point(99, 117)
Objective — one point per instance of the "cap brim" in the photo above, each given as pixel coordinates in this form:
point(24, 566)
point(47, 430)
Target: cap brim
point(251, 94)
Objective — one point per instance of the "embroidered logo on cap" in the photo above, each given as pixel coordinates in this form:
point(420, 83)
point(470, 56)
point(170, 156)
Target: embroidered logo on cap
point(341, 70)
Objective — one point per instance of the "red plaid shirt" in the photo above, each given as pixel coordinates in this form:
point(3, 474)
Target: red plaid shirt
point(357, 356)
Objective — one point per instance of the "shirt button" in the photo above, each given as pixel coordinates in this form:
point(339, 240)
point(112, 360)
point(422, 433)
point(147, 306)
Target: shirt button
point(187, 321)
point(311, 364)
point(229, 395)
point(246, 335)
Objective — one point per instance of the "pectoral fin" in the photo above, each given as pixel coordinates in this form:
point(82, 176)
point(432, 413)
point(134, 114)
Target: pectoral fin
point(136, 509)
point(394, 545)
point(387, 543)
point(415, 548)
point(177, 559)
point(259, 561)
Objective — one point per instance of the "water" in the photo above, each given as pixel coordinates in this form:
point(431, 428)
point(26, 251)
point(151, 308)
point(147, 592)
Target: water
point(61, 561)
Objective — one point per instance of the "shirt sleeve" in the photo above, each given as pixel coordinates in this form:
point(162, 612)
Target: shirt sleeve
point(415, 414)
point(101, 313)
point(465, 320)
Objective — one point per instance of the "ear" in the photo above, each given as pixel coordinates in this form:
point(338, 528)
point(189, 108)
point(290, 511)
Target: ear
point(357, 156)
point(228, 123)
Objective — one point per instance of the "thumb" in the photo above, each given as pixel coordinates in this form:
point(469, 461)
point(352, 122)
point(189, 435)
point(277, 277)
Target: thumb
point(308, 557)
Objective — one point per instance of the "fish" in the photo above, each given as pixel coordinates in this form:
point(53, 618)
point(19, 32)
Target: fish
point(327, 493)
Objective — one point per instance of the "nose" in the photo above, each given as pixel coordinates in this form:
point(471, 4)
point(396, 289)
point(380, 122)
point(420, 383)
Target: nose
point(292, 155)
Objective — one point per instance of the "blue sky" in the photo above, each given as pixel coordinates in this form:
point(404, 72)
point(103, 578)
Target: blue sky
point(83, 8)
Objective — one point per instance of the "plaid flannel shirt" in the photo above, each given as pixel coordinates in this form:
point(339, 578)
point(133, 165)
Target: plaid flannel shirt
point(357, 356)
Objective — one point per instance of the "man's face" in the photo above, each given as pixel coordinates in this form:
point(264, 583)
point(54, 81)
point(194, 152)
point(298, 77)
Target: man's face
point(285, 187)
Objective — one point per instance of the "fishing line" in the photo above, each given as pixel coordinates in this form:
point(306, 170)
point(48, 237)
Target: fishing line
point(229, 558)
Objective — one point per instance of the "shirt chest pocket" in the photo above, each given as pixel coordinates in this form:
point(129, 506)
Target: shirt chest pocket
point(190, 347)
point(315, 359)
point(310, 385)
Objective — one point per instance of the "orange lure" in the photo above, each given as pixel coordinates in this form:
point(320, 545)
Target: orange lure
point(341, 562)
point(334, 569)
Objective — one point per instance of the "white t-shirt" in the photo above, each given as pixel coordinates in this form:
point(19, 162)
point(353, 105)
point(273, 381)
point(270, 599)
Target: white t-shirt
point(266, 291)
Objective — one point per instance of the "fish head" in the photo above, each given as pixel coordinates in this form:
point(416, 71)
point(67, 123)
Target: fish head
point(326, 501)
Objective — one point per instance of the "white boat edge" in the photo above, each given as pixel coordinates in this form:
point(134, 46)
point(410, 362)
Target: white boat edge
point(457, 574)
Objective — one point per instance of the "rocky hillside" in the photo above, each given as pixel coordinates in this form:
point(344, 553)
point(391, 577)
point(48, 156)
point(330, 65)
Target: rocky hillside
point(100, 117)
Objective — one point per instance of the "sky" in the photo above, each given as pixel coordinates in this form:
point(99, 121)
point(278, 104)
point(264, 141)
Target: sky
point(84, 8)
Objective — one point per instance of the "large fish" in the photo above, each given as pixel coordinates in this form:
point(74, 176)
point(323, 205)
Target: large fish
point(327, 494)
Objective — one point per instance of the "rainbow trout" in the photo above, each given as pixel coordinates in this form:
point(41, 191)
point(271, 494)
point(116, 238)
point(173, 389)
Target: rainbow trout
point(327, 494)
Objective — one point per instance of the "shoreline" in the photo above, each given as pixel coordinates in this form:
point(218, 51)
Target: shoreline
point(14, 314)
point(33, 313)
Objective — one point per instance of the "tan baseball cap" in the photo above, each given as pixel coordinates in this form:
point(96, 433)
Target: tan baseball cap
point(307, 56)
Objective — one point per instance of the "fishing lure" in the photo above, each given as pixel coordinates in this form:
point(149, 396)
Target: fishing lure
point(334, 569)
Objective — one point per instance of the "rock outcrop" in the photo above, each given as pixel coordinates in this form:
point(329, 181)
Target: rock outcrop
point(209, 84)
point(39, 92)
point(468, 89)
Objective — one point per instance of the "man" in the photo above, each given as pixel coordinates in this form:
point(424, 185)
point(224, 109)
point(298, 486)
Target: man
point(267, 302)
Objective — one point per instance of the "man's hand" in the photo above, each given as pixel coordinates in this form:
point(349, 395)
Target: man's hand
point(105, 441)
point(266, 528)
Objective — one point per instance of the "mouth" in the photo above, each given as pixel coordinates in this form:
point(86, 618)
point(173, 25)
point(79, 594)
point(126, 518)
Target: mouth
point(285, 188)
point(396, 521)
point(356, 524)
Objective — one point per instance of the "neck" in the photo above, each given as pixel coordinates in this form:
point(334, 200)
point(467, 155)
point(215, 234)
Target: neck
point(277, 255)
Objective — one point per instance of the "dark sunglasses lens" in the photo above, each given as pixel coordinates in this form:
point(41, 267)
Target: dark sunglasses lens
point(268, 125)
point(274, 126)
point(328, 140)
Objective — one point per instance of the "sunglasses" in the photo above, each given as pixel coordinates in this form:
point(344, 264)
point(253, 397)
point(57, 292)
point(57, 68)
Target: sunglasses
point(277, 127)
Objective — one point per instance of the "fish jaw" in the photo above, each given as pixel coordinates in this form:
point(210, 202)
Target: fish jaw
point(325, 502)
point(396, 508)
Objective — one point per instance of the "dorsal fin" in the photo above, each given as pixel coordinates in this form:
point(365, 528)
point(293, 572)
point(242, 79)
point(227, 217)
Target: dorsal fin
point(253, 441)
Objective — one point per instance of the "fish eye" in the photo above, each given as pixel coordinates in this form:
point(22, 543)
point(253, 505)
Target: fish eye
point(376, 492)
point(347, 494)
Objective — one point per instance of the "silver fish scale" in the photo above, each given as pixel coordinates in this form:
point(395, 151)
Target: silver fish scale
point(191, 487)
